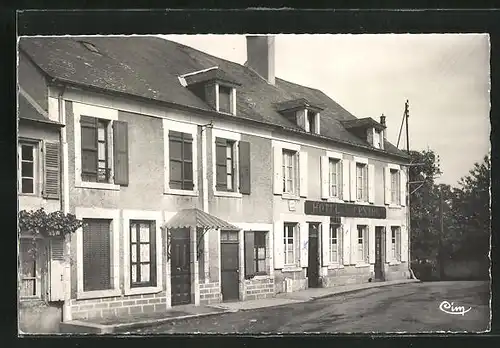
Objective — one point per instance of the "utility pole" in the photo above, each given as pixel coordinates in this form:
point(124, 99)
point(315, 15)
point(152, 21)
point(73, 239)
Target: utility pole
point(408, 218)
point(441, 232)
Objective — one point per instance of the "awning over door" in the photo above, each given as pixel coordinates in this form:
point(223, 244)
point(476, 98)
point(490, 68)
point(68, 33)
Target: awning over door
point(197, 218)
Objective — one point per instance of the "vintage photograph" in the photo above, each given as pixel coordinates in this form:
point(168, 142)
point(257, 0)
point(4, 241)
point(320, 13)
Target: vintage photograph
point(252, 184)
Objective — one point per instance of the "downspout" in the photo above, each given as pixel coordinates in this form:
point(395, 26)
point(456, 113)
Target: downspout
point(65, 205)
point(204, 173)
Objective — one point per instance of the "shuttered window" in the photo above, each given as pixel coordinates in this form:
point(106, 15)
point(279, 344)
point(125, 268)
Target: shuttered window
point(224, 164)
point(52, 186)
point(289, 171)
point(244, 167)
point(225, 99)
point(96, 254)
point(29, 269)
point(335, 243)
point(362, 243)
point(334, 165)
point(289, 242)
point(142, 254)
point(395, 188)
point(361, 182)
point(396, 243)
point(181, 160)
point(255, 253)
point(27, 168)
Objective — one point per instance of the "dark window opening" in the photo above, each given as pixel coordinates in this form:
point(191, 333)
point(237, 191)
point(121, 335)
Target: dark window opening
point(181, 160)
point(225, 99)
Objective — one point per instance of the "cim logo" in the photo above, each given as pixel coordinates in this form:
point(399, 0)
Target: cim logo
point(450, 308)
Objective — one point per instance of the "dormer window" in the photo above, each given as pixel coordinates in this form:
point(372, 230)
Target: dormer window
point(225, 99)
point(377, 139)
point(312, 122)
point(367, 129)
point(301, 112)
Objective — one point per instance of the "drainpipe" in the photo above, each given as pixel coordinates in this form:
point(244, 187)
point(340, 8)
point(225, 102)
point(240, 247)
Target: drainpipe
point(65, 205)
point(204, 170)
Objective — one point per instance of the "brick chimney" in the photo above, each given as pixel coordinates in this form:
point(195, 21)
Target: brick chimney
point(260, 56)
point(382, 122)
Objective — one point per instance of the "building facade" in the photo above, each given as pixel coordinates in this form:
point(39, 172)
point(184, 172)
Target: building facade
point(201, 180)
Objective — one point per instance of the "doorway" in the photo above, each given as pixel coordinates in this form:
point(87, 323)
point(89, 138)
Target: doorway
point(180, 264)
point(379, 261)
point(230, 272)
point(313, 258)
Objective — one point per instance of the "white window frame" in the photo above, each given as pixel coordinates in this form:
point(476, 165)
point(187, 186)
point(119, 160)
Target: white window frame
point(114, 216)
point(183, 128)
point(315, 121)
point(232, 99)
point(395, 167)
point(295, 172)
point(235, 138)
point(37, 166)
point(338, 230)
point(79, 110)
point(365, 238)
point(395, 191)
point(157, 217)
point(295, 261)
point(38, 270)
point(362, 162)
point(395, 246)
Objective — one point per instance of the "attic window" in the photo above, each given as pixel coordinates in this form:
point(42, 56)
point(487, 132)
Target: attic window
point(377, 139)
point(91, 47)
point(226, 102)
point(312, 122)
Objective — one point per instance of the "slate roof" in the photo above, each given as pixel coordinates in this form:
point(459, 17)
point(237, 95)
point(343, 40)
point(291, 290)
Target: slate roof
point(26, 111)
point(149, 67)
point(362, 122)
point(212, 74)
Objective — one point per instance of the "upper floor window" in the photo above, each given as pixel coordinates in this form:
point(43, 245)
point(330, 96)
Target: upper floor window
point(377, 139)
point(289, 171)
point(225, 99)
point(335, 183)
point(225, 164)
point(289, 241)
point(312, 122)
point(361, 182)
point(396, 243)
point(181, 160)
point(395, 187)
point(27, 167)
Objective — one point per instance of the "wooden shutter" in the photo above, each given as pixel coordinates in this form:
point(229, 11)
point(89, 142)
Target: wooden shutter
point(371, 244)
point(403, 243)
point(96, 255)
point(303, 236)
point(89, 147)
point(279, 246)
point(346, 243)
point(387, 185)
point(152, 251)
point(325, 179)
point(353, 181)
point(277, 170)
point(388, 244)
point(366, 244)
point(120, 153)
point(249, 254)
point(303, 174)
point(220, 164)
point(244, 170)
point(325, 245)
point(56, 269)
point(345, 180)
point(402, 185)
point(371, 183)
point(188, 171)
point(52, 173)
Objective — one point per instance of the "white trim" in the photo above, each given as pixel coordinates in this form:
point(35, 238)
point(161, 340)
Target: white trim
point(199, 71)
point(109, 114)
point(217, 97)
point(184, 128)
point(156, 216)
point(99, 213)
point(232, 136)
point(288, 268)
point(143, 108)
point(38, 175)
point(248, 226)
point(334, 155)
point(285, 145)
point(233, 101)
point(361, 160)
point(394, 166)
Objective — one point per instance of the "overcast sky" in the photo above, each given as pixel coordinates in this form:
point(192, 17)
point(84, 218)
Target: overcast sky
point(445, 77)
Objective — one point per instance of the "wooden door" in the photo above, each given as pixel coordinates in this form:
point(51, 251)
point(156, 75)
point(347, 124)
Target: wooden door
point(180, 267)
point(313, 258)
point(230, 272)
point(378, 268)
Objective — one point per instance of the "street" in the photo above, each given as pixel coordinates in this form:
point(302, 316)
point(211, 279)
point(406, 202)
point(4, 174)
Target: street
point(400, 308)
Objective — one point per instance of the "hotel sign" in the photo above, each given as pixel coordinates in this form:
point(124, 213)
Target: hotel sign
point(344, 210)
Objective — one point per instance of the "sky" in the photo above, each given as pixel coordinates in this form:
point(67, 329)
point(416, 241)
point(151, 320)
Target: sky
point(445, 78)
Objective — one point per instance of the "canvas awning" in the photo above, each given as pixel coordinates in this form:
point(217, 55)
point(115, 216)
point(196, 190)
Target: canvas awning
point(196, 218)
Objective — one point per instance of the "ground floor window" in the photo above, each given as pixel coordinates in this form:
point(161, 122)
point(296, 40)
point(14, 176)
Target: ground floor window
point(29, 269)
point(96, 254)
point(142, 254)
point(362, 243)
point(335, 243)
point(255, 253)
point(396, 243)
point(290, 240)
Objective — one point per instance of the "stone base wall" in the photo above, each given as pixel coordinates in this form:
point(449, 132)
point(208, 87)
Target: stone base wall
point(258, 288)
point(110, 307)
point(397, 272)
point(210, 293)
point(346, 276)
point(289, 280)
point(37, 317)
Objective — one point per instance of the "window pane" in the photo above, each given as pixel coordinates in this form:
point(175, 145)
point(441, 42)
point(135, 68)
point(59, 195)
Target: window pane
point(101, 150)
point(188, 171)
point(101, 133)
point(27, 186)
point(229, 182)
point(133, 253)
point(145, 252)
point(175, 149)
point(261, 265)
point(290, 257)
point(27, 169)
point(28, 287)
point(229, 165)
point(27, 152)
point(145, 273)
point(175, 170)
point(134, 274)
point(89, 161)
point(144, 230)
point(229, 151)
point(261, 253)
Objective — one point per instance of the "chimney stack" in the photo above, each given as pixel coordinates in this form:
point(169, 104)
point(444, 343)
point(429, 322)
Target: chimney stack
point(382, 122)
point(260, 56)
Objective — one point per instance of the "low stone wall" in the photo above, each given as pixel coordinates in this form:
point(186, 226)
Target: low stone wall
point(397, 272)
point(258, 288)
point(110, 307)
point(346, 276)
point(210, 293)
point(37, 317)
point(289, 280)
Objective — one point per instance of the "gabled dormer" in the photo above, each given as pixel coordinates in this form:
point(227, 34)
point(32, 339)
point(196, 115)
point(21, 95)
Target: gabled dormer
point(213, 86)
point(302, 113)
point(368, 129)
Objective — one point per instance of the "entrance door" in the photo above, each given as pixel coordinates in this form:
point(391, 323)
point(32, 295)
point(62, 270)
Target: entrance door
point(313, 260)
point(180, 267)
point(379, 273)
point(230, 272)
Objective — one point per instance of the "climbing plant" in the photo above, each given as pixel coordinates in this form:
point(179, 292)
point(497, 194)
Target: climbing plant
point(43, 224)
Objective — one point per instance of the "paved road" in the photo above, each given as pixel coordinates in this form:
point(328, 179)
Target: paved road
point(401, 308)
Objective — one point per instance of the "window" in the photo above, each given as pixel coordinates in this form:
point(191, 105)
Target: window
point(289, 171)
point(96, 166)
point(229, 236)
point(395, 243)
point(311, 121)
point(29, 269)
point(334, 177)
point(361, 182)
point(225, 99)
point(96, 254)
point(260, 252)
point(289, 243)
point(377, 139)
point(335, 243)
point(27, 168)
point(395, 187)
point(181, 160)
point(142, 254)
point(225, 165)
point(362, 251)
